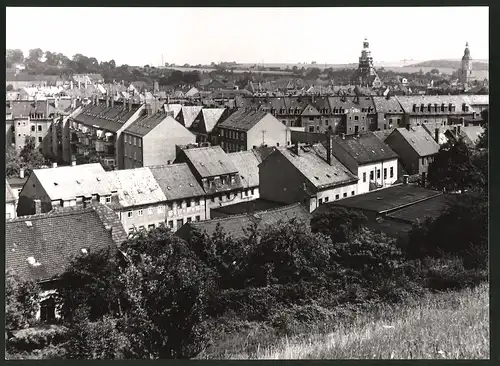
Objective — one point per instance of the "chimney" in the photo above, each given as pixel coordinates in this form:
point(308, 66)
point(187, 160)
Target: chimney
point(107, 101)
point(79, 84)
point(423, 178)
point(329, 149)
point(436, 135)
point(459, 128)
point(21, 173)
point(408, 126)
point(71, 84)
point(130, 104)
point(38, 206)
point(112, 100)
point(455, 130)
point(406, 179)
point(296, 148)
point(54, 165)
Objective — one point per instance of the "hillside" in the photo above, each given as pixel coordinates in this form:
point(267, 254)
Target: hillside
point(452, 325)
point(454, 64)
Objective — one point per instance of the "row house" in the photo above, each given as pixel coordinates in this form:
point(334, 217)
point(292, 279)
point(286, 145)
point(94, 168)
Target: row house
point(299, 175)
point(366, 156)
point(390, 113)
point(75, 185)
point(247, 164)
point(204, 125)
point(248, 129)
point(97, 130)
point(40, 247)
point(357, 114)
point(216, 174)
point(152, 138)
point(415, 148)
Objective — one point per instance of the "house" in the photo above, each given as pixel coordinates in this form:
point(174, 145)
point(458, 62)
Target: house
point(10, 202)
point(173, 110)
point(389, 112)
point(97, 130)
point(188, 115)
point(298, 174)
point(236, 225)
point(217, 175)
point(247, 129)
point(394, 210)
point(66, 186)
point(40, 247)
point(247, 164)
point(365, 156)
point(415, 148)
point(204, 124)
point(185, 198)
point(353, 114)
point(16, 183)
point(469, 134)
point(152, 138)
point(139, 201)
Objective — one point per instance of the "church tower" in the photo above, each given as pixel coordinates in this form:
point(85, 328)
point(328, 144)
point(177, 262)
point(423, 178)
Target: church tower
point(465, 74)
point(366, 74)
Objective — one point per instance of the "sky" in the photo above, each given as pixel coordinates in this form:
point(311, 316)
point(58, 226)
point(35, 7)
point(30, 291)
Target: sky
point(140, 36)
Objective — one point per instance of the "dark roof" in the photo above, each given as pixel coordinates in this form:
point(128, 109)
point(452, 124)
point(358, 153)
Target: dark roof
point(382, 135)
point(247, 207)
point(419, 140)
point(236, 225)
point(53, 238)
point(176, 181)
point(24, 108)
point(365, 148)
point(385, 199)
point(243, 120)
point(146, 123)
point(419, 211)
point(352, 103)
point(106, 118)
point(210, 161)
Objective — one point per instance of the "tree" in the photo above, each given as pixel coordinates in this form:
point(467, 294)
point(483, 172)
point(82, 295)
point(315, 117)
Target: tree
point(13, 162)
point(9, 87)
point(434, 72)
point(30, 156)
point(35, 54)
point(452, 168)
point(13, 57)
point(340, 224)
point(21, 302)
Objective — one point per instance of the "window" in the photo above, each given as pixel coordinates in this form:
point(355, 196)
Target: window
point(48, 310)
point(371, 175)
point(188, 203)
point(212, 199)
point(391, 172)
point(141, 228)
point(139, 142)
point(364, 177)
point(131, 231)
point(228, 196)
point(135, 155)
point(352, 193)
point(252, 191)
point(390, 121)
point(180, 222)
point(311, 118)
point(170, 224)
point(284, 122)
point(150, 211)
point(33, 128)
point(151, 226)
point(311, 128)
point(160, 209)
point(134, 142)
point(189, 219)
point(385, 173)
point(356, 118)
point(39, 128)
point(345, 194)
point(378, 173)
point(39, 139)
point(327, 199)
point(108, 199)
point(326, 122)
point(7, 215)
point(129, 214)
point(320, 201)
point(198, 218)
point(356, 129)
point(197, 202)
point(140, 213)
point(246, 193)
point(337, 196)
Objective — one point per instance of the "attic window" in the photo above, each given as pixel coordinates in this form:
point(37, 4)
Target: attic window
point(316, 178)
point(84, 251)
point(29, 224)
point(56, 184)
point(328, 175)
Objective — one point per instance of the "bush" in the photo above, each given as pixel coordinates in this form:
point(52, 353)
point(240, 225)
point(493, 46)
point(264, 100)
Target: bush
point(36, 338)
point(450, 274)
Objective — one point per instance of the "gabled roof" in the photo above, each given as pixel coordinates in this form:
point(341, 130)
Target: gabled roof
point(176, 181)
point(69, 182)
point(310, 111)
point(384, 105)
point(211, 116)
point(382, 135)
point(247, 163)
point(107, 118)
point(407, 103)
point(174, 108)
point(237, 224)
point(476, 99)
point(49, 240)
point(136, 187)
point(352, 103)
point(189, 114)
point(316, 170)
point(243, 120)
point(365, 148)
point(419, 140)
point(210, 161)
point(9, 195)
point(146, 123)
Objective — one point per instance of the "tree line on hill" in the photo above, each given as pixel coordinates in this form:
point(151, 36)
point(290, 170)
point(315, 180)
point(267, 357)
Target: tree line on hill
point(158, 296)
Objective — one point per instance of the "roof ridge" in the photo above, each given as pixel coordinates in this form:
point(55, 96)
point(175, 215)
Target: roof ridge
point(63, 211)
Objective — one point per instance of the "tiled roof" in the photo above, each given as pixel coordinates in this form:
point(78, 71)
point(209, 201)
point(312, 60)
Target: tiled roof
point(236, 225)
point(365, 148)
point(384, 105)
point(176, 181)
point(472, 133)
point(316, 170)
point(50, 240)
point(476, 99)
point(211, 116)
point(107, 118)
point(210, 161)
point(23, 108)
point(9, 195)
point(175, 108)
point(382, 135)
point(351, 103)
point(146, 123)
point(246, 207)
point(420, 140)
point(68, 182)
point(407, 103)
point(243, 120)
point(247, 163)
point(189, 114)
point(136, 187)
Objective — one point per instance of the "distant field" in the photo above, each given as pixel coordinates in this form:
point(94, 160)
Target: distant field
point(452, 325)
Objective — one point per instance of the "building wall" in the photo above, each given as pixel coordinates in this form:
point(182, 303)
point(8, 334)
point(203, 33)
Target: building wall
point(132, 151)
point(268, 131)
point(119, 154)
point(159, 146)
point(364, 174)
point(178, 210)
point(31, 191)
point(153, 214)
point(357, 122)
point(325, 123)
point(233, 197)
point(407, 155)
point(232, 140)
point(333, 194)
point(387, 121)
point(10, 210)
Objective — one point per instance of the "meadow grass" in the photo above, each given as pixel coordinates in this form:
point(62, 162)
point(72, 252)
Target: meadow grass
point(452, 325)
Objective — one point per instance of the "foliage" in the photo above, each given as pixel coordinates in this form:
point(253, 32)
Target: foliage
point(13, 162)
point(36, 338)
point(21, 302)
point(338, 223)
point(13, 56)
point(445, 274)
point(31, 157)
point(9, 87)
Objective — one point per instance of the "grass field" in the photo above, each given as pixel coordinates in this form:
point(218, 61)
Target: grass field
point(442, 326)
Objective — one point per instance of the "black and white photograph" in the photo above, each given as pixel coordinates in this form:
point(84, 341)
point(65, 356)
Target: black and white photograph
point(247, 183)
